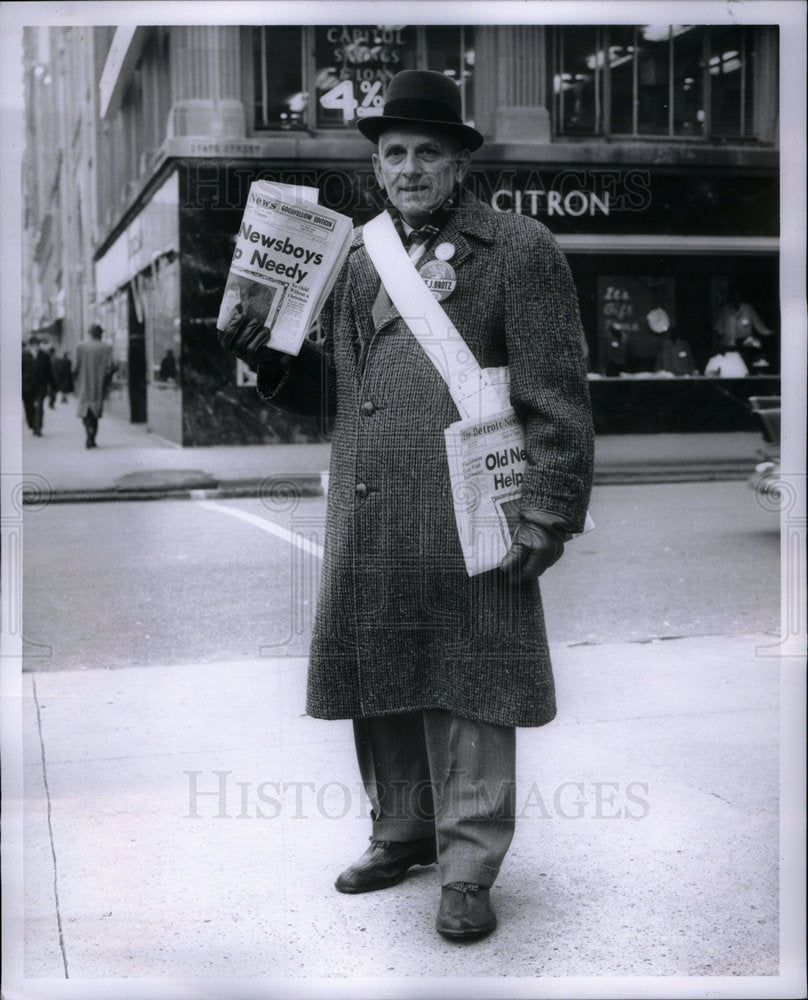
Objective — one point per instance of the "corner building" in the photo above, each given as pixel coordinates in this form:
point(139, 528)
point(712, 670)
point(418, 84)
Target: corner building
point(650, 151)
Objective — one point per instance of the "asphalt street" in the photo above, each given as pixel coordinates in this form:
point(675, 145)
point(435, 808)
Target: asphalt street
point(116, 585)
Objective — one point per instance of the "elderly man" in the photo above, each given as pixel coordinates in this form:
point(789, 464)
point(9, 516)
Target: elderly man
point(436, 669)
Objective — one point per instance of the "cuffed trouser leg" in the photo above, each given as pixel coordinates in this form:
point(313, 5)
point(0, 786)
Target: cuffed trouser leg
point(473, 766)
point(434, 773)
point(394, 765)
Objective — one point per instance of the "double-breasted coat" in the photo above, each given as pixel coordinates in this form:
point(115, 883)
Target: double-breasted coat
point(399, 625)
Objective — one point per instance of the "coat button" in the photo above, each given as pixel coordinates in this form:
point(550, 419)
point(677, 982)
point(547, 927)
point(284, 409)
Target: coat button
point(361, 490)
point(367, 408)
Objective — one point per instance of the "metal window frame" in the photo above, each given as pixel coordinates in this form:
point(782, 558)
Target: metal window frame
point(603, 88)
point(601, 94)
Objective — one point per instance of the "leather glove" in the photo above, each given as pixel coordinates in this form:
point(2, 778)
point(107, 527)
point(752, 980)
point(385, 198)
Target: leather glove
point(246, 338)
point(244, 334)
point(538, 543)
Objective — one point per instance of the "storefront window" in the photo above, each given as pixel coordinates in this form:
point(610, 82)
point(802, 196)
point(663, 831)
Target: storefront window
point(636, 323)
point(161, 306)
point(656, 316)
point(653, 80)
point(348, 69)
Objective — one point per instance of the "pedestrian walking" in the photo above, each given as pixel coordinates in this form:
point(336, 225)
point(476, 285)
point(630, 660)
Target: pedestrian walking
point(37, 383)
point(94, 369)
point(435, 668)
point(52, 392)
point(64, 376)
point(168, 366)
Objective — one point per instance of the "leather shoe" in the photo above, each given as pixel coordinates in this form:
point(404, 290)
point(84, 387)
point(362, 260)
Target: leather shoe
point(386, 863)
point(465, 912)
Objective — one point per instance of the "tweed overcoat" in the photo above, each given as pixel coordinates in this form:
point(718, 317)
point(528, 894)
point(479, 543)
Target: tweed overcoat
point(399, 625)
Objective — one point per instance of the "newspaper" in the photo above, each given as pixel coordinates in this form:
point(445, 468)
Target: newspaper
point(486, 459)
point(486, 467)
point(287, 257)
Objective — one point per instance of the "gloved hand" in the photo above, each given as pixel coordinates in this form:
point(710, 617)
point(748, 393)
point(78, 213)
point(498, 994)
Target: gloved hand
point(538, 543)
point(246, 337)
point(243, 331)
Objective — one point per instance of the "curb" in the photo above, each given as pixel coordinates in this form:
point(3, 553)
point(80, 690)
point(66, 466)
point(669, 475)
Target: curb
point(315, 484)
point(304, 485)
point(629, 476)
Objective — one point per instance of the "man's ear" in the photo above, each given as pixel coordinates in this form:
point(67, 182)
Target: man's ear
point(377, 170)
point(463, 164)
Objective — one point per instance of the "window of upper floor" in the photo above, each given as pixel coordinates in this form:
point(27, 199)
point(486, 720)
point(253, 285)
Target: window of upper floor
point(656, 81)
point(328, 76)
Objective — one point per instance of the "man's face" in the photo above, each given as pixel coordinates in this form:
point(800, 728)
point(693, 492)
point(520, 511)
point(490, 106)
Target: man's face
point(418, 170)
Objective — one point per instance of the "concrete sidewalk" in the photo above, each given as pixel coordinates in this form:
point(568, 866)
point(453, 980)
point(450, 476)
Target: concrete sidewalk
point(132, 463)
point(185, 824)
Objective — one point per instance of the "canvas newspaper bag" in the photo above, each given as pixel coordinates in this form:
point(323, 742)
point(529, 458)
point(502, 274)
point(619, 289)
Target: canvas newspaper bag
point(486, 447)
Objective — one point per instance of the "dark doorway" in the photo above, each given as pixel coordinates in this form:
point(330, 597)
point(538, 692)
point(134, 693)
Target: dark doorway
point(137, 364)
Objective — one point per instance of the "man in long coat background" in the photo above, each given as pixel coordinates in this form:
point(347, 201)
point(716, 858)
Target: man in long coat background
point(436, 669)
point(93, 370)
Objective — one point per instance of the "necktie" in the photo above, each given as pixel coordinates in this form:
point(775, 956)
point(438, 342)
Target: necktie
point(416, 243)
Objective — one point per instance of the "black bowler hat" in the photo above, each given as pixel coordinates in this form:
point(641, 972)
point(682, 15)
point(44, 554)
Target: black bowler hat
point(422, 97)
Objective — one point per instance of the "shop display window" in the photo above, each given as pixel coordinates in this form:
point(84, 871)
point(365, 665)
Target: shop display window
point(636, 324)
point(327, 77)
point(659, 317)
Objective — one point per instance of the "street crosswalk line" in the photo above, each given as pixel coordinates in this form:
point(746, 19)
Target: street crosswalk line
point(293, 538)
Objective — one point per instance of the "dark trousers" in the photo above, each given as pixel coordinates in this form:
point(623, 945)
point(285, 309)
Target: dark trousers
point(91, 426)
point(435, 774)
point(34, 404)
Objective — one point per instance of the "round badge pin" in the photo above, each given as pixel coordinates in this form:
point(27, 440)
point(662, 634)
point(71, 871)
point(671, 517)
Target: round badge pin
point(444, 251)
point(440, 278)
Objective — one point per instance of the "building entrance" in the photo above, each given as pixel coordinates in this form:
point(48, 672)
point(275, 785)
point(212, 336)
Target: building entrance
point(136, 364)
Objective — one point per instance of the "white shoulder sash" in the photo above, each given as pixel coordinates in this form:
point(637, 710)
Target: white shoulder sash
point(474, 393)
